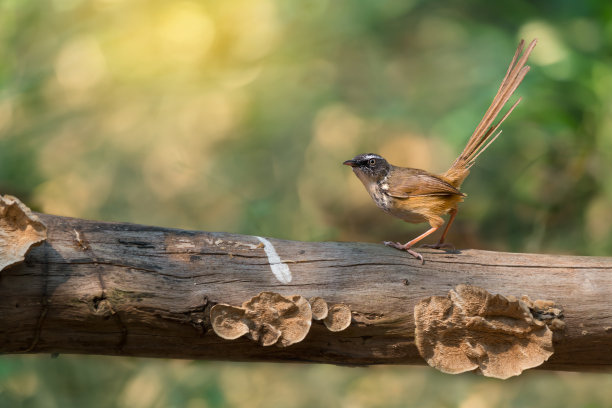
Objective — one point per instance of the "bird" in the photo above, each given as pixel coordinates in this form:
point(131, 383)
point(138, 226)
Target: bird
point(418, 196)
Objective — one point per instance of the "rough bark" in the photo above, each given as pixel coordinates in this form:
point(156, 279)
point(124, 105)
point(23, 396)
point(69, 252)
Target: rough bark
point(131, 290)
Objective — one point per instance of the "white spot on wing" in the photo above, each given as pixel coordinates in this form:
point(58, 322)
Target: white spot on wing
point(279, 269)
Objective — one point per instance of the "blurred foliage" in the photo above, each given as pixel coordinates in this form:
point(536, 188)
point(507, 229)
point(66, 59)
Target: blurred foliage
point(75, 382)
point(235, 115)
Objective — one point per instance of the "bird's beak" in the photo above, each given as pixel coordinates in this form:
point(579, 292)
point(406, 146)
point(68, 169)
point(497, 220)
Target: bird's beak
point(350, 163)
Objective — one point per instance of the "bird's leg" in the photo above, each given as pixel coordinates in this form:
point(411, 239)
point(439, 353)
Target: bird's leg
point(406, 247)
point(441, 244)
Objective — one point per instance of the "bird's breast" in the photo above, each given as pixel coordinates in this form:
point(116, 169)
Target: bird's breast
point(380, 197)
point(397, 207)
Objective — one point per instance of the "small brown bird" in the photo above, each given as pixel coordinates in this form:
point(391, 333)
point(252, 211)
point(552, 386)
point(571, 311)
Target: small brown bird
point(416, 195)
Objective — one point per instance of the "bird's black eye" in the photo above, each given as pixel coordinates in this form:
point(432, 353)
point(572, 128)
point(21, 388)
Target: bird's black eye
point(372, 162)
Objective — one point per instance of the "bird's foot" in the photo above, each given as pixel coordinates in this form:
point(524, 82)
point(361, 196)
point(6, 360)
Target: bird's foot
point(405, 247)
point(439, 245)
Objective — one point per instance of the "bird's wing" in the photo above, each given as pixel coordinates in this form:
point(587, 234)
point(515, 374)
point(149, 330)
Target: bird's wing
point(404, 183)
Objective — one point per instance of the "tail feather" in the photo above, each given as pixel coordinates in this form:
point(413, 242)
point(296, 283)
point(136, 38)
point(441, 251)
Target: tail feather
point(481, 138)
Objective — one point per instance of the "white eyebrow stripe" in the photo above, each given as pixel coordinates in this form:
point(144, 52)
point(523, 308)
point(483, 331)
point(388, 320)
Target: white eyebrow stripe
point(279, 269)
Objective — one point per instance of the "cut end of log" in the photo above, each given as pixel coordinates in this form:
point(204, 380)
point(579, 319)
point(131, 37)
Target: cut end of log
point(20, 230)
point(493, 335)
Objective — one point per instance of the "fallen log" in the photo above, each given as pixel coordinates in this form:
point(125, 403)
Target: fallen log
point(122, 289)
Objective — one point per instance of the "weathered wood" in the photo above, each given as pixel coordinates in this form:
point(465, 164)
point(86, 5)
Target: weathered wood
point(131, 290)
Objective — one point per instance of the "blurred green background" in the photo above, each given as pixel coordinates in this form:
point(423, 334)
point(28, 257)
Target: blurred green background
point(235, 116)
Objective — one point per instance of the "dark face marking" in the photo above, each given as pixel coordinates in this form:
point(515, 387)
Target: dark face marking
point(370, 165)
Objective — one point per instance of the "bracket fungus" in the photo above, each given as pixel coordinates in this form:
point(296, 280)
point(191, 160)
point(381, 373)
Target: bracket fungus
point(271, 318)
point(494, 335)
point(227, 321)
point(319, 308)
point(268, 318)
point(19, 231)
point(338, 318)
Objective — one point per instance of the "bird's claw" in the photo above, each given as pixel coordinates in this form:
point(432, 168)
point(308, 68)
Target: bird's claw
point(395, 245)
point(405, 247)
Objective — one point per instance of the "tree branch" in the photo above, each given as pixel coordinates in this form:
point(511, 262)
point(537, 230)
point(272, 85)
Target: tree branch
point(131, 290)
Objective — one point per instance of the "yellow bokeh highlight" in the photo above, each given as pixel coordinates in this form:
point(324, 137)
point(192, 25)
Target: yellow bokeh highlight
point(80, 64)
point(185, 31)
point(24, 385)
point(144, 390)
point(251, 27)
point(336, 130)
point(554, 50)
point(77, 192)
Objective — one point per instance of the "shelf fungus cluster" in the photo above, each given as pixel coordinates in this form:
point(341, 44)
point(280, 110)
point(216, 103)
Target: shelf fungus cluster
point(19, 231)
point(494, 335)
point(271, 318)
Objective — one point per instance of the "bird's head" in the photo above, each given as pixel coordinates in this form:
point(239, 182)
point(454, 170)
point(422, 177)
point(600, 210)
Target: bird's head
point(369, 167)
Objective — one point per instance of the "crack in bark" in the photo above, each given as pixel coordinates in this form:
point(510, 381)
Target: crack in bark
point(310, 260)
point(97, 301)
point(200, 253)
point(138, 244)
point(300, 285)
point(223, 281)
point(534, 266)
point(44, 301)
point(368, 264)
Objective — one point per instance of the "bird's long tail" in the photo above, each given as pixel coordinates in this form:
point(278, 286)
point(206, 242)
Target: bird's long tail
point(485, 134)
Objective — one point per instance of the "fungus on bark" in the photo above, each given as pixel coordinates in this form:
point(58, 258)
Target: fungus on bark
point(271, 318)
point(338, 318)
point(268, 318)
point(19, 231)
point(227, 321)
point(472, 330)
point(319, 308)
